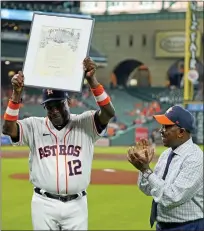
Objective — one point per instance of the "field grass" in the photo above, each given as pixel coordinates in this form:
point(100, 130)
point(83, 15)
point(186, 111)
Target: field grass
point(111, 207)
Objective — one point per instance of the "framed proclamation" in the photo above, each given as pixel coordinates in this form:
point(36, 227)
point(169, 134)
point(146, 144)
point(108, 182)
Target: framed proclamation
point(55, 51)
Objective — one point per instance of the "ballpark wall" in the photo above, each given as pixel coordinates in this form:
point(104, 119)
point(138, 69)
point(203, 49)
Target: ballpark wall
point(124, 139)
point(104, 38)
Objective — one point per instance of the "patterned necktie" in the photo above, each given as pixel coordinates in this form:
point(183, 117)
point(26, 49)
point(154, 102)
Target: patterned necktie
point(154, 204)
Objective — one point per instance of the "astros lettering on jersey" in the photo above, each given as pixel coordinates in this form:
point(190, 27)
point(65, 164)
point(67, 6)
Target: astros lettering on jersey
point(60, 161)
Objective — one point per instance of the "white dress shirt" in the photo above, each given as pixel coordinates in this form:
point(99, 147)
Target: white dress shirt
point(180, 196)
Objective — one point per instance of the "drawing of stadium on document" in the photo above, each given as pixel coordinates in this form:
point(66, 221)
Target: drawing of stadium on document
point(57, 51)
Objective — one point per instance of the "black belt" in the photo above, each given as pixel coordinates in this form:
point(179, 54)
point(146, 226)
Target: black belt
point(58, 197)
point(166, 225)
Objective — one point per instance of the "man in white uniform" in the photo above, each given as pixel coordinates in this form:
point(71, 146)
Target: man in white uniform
point(61, 152)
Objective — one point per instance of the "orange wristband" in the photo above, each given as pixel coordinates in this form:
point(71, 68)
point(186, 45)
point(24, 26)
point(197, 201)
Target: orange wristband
point(12, 111)
point(101, 96)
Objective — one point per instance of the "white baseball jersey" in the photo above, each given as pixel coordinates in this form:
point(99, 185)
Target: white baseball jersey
point(60, 161)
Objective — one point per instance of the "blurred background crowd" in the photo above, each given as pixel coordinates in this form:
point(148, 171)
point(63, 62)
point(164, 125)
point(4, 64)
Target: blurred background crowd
point(139, 48)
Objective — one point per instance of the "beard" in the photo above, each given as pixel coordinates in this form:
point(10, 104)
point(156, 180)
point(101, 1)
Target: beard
point(60, 120)
point(57, 121)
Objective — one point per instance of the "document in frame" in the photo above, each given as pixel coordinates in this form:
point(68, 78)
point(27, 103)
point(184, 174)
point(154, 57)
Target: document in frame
point(56, 49)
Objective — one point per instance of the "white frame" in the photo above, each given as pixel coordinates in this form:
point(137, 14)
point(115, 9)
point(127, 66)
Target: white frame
point(34, 68)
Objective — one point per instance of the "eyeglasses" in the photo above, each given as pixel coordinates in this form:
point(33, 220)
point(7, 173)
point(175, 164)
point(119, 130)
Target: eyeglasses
point(165, 127)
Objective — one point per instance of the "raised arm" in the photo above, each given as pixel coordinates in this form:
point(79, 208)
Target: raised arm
point(107, 110)
point(10, 126)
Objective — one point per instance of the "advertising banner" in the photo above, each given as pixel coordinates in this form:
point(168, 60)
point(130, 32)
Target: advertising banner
point(171, 44)
point(5, 140)
point(141, 132)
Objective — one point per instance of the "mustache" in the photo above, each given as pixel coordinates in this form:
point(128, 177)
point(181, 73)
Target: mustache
point(57, 117)
point(55, 114)
point(57, 120)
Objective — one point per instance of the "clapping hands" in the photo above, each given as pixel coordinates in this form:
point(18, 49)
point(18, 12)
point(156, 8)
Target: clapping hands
point(141, 155)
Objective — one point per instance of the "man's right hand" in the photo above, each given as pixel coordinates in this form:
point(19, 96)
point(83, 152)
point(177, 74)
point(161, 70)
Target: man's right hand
point(18, 85)
point(18, 82)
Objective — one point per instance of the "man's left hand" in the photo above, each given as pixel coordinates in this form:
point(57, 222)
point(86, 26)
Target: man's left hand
point(89, 67)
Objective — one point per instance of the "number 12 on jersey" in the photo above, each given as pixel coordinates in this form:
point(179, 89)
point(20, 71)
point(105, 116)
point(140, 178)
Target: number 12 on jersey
point(74, 167)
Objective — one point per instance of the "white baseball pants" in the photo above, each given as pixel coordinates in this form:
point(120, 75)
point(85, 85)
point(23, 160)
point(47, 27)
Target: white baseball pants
point(52, 214)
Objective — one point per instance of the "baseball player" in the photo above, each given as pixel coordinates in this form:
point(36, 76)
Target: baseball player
point(61, 151)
